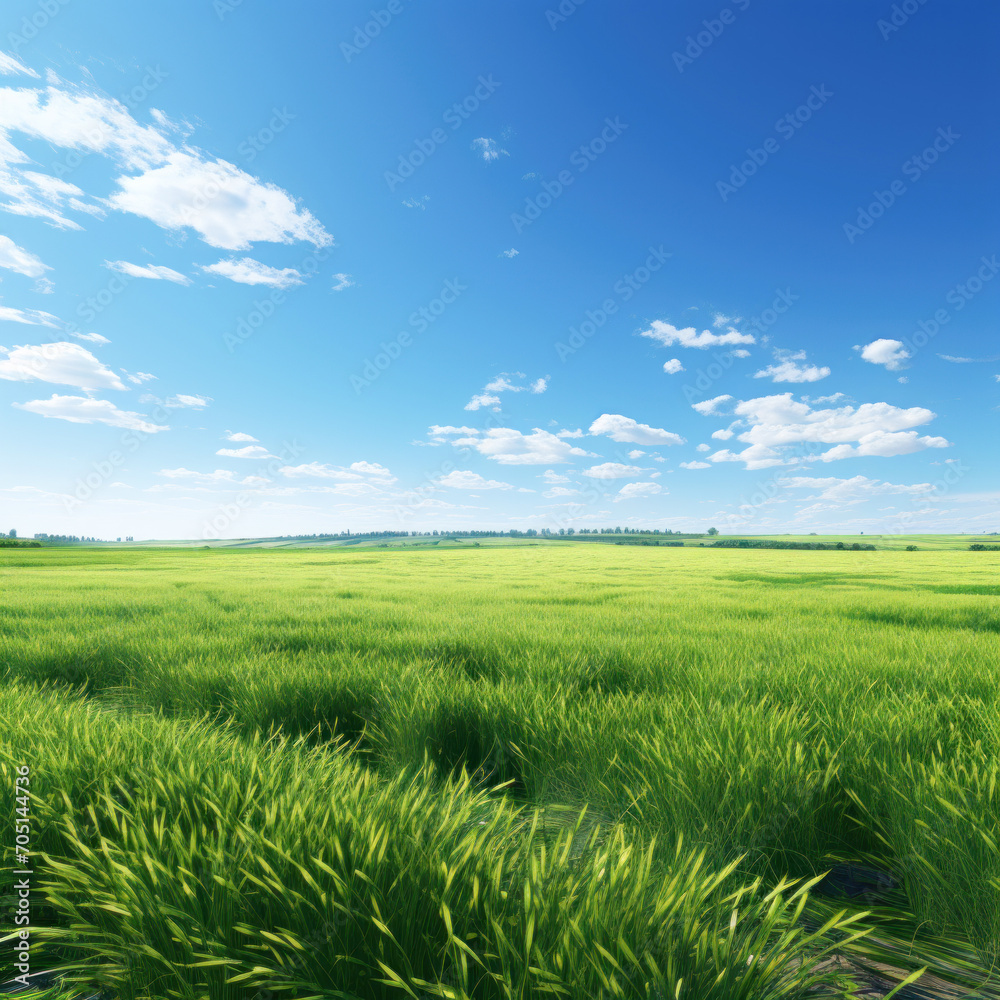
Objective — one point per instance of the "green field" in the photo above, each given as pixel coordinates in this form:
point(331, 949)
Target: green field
point(506, 771)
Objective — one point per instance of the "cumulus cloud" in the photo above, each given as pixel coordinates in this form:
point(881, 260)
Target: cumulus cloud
point(871, 429)
point(510, 447)
point(62, 363)
point(627, 430)
point(225, 205)
point(695, 465)
point(710, 407)
point(459, 480)
point(83, 410)
point(611, 470)
point(631, 491)
point(667, 335)
point(239, 436)
point(247, 271)
point(788, 370)
point(179, 402)
point(509, 253)
point(890, 353)
point(483, 399)
point(155, 271)
point(550, 476)
point(673, 366)
point(15, 258)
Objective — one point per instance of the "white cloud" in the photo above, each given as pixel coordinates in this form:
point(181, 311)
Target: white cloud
point(343, 281)
point(250, 451)
point(856, 489)
point(695, 465)
point(636, 453)
point(483, 399)
point(182, 402)
point(76, 119)
point(630, 491)
point(488, 149)
point(137, 378)
point(420, 203)
point(511, 447)
point(30, 317)
point(871, 429)
point(226, 206)
point(357, 472)
point(82, 410)
point(239, 436)
point(551, 476)
point(719, 319)
point(625, 429)
point(155, 271)
point(739, 353)
point(9, 66)
point(723, 434)
point(247, 271)
point(509, 253)
point(459, 480)
point(62, 363)
point(704, 447)
point(218, 476)
point(15, 258)
point(612, 470)
point(559, 491)
point(710, 407)
point(503, 383)
point(668, 335)
point(673, 366)
point(787, 370)
point(890, 353)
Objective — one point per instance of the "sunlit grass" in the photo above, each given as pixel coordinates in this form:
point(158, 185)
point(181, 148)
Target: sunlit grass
point(771, 712)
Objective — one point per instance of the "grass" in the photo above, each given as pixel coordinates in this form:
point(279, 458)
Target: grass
point(271, 768)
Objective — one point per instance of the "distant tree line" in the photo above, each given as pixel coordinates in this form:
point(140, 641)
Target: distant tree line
point(18, 543)
point(764, 543)
point(979, 547)
point(65, 538)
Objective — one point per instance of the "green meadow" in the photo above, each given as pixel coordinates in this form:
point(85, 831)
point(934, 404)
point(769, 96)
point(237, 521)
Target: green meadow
point(506, 771)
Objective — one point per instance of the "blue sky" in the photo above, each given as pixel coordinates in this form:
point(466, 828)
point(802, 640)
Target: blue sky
point(292, 269)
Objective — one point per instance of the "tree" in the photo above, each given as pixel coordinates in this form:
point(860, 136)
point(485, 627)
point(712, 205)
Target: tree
point(13, 533)
point(713, 531)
